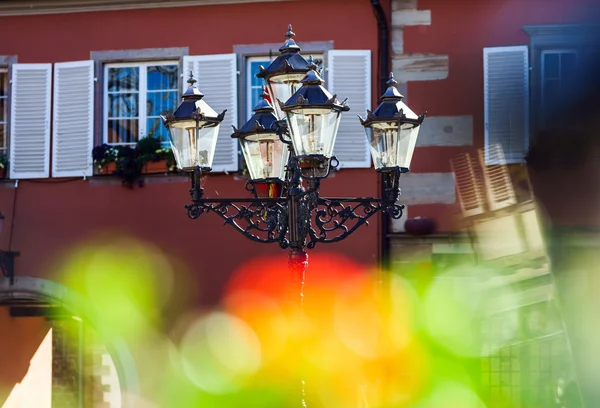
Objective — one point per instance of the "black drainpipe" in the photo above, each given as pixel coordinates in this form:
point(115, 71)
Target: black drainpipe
point(383, 59)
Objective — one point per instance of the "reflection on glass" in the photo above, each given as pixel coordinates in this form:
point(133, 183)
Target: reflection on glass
point(123, 105)
point(3, 84)
point(282, 87)
point(390, 148)
point(266, 156)
point(122, 130)
point(161, 101)
point(155, 128)
point(2, 109)
point(2, 136)
point(162, 77)
point(123, 79)
point(193, 146)
point(313, 131)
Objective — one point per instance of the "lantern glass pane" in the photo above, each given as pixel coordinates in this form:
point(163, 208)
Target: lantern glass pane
point(193, 143)
point(313, 130)
point(266, 156)
point(282, 87)
point(390, 146)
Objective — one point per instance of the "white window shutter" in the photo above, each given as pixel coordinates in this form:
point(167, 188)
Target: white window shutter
point(349, 76)
point(506, 100)
point(30, 121)
point(73, 119)
point(217, 80)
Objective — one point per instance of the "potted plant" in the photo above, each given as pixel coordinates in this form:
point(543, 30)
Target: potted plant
point(150, 154)
point(129, 166)
point(3, 165)
point(105, 158)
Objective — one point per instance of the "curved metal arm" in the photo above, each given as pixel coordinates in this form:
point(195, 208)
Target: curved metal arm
point(263, 221)
point(337, 218)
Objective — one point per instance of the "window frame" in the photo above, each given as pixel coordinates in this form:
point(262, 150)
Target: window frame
point(142, 95)
point(102, 58)
point(547, 38)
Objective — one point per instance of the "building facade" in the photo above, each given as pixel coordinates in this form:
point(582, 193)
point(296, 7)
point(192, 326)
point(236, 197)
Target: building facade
point(82, 73)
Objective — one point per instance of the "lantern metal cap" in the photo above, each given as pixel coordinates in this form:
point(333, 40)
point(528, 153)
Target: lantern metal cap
point(392, 92)
point(288, 62)
point(289, 45)
point(392, 108)
point(192, 91)
point(263, 120)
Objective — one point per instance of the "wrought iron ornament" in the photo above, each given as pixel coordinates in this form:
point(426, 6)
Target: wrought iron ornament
point(299, 217)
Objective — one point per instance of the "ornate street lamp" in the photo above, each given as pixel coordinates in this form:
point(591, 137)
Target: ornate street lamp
point(284, 74)
point(193, 130)
point(392, 131)
point(295, 153)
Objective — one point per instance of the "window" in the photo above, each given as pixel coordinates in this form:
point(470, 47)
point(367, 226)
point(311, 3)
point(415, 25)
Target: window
point(134, 97)
point(557, 75)
point(3, 109)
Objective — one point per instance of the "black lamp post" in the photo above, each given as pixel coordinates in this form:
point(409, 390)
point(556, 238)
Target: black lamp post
point(290, 145)
point(7, 259)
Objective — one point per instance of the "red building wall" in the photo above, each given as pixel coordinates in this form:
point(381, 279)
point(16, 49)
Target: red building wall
point(46, 218)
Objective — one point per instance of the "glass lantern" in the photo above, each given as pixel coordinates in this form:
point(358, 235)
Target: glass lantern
point(392, 131)
point(313, 116)
point(265, 154)
point(284, 74)
point(193, 130)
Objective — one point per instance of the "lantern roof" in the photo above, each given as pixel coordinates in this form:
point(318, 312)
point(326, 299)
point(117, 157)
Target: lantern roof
point(392, 108)
point(288, 62)
point(263, 120)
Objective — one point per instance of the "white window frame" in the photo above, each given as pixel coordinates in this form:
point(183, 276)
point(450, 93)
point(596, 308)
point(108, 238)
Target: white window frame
point(249, 76)
point(4, 148)
point(142, 65)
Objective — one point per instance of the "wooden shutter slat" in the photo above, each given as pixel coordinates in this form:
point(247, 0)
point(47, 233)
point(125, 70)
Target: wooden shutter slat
point(73, 119)
point(30, 121)
point(506, 101)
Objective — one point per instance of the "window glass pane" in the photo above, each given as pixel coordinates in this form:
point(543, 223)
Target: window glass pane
point(162, 77)
point(158, 102)
point(123, 79)
point(568, 65)
point(3, 108)
point(155, 128)
point(123, 105)
point(122, 131)
point(2, 136)
point(551, 65)
point(254, 70)
point(3, 83)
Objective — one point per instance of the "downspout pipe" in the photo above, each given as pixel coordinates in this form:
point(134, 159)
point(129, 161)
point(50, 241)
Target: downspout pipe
point(383, 61)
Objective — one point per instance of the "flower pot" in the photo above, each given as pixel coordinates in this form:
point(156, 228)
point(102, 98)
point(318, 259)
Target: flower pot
point(2, 173)
point(419, 226)
point(108, 169)
point(154, 167)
